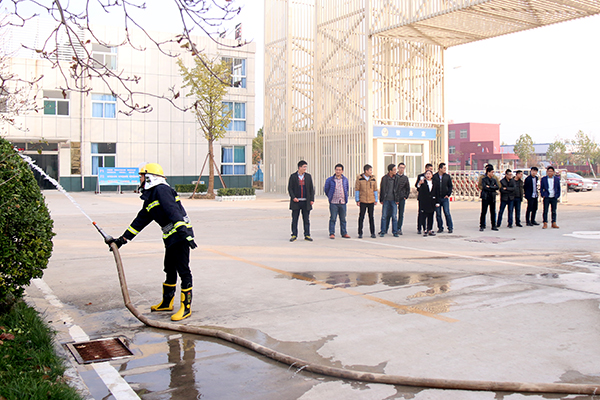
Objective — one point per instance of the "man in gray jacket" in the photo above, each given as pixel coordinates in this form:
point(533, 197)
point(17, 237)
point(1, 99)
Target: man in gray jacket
point(403, 193)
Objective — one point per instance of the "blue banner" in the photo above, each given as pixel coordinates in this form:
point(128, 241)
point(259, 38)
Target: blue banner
point(404, 132)
point(118, 176)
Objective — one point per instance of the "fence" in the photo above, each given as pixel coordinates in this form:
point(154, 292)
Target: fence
point(464, 185)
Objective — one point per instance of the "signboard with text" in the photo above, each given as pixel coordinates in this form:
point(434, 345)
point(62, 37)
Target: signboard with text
point(403, 132)
point(118, 176)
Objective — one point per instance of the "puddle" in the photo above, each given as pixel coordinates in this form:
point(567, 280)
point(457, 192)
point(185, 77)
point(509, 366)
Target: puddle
point(354, 279)
point(545, 275)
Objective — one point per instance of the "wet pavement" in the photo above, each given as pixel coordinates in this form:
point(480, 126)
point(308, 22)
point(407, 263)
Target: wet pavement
point(520, 304)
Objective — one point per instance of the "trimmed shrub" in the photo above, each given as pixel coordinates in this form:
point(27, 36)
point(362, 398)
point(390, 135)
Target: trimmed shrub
point(26, 226)
point(236, 192)
point(189, 188)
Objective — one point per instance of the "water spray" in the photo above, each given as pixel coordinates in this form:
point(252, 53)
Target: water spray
point(341, 373)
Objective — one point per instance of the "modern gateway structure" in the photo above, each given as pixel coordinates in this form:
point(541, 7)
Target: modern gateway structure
point(362, 81)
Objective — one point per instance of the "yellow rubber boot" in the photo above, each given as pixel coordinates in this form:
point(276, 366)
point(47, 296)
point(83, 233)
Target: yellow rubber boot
point(167, 301)
point(186, 305)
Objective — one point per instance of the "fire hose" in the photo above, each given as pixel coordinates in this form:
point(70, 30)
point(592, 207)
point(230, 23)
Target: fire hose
point(454, 384)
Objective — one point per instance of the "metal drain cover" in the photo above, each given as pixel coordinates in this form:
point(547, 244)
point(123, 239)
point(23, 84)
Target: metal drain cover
point(99, 350)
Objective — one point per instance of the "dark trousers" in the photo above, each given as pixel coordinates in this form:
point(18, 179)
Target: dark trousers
point(517, 204)
point(503, 204)
point(532, 206)
point(177, 261)
point(401, 206)
point(485, 204)
point(550, 202)
point(426, 220)
point(364, 207)
point(303, 207)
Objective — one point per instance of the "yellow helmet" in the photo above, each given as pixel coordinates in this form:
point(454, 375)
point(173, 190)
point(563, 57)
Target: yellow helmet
point(152, 168)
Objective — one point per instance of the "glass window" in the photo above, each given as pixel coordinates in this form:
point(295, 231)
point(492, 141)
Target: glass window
point(103, 155)
point(104, 56)
point(452, 134)
point(55, 103)
point(104, 106)
point(238, 117)
point(410, 154)
point(389, 147)
point(463, 133)
point(451, 149)
point(233, 160)
point(238, 71)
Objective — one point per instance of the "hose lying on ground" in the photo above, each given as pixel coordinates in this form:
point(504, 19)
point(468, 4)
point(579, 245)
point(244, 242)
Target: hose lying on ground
point(454, 384)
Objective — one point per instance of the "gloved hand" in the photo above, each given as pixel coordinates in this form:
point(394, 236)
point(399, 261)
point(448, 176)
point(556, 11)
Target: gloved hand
point(120, 241)
point(192, 244)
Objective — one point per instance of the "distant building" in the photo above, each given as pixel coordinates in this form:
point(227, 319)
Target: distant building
point(473, 145)
point(78, 133)
point(539, 153)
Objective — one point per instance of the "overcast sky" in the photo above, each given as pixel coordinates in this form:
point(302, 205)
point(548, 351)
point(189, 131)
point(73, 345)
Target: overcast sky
point(544, 82)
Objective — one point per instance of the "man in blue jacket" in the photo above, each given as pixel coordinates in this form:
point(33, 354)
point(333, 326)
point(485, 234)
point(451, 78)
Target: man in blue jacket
point(336, 189)
point(550, 192)
point(162, 204)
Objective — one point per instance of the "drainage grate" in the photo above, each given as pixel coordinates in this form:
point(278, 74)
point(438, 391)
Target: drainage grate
point(99, 350)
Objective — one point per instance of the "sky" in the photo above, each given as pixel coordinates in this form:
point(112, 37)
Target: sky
point(543, 82)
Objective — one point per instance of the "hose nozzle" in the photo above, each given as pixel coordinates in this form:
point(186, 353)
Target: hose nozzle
point(106, 236)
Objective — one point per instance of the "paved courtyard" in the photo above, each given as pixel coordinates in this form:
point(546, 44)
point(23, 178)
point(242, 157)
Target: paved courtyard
point(519, 304)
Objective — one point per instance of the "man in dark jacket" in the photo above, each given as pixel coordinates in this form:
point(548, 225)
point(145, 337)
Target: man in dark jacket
point(518, 197)
point(388, 190)
point(489, 187)
point(336, 188)
point(508, 191)
point(443, 198)
point(421, 179)
point(302, 197)
point(550, 192)
point(162, 204)
point(403, 193)
point(532, 196)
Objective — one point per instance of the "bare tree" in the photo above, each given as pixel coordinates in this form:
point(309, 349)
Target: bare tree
point(73, 32)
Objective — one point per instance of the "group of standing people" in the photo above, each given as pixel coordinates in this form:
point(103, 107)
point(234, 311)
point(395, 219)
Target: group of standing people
point(512, 191)
point(434, 191)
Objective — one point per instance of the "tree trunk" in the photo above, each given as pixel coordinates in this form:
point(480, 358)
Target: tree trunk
point(211, 171)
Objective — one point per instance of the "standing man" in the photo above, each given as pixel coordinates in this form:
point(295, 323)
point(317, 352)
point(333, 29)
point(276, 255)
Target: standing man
point(420, 180)
point(366, 198)
point(550, 192)
point(518, 197)
point(489, 187)
point(161, 204)
point(443, 198)
point(302, 197)
point(403, 193)
point(531, 194)
point(336, 189)
point(388, 199)
point(508, 190)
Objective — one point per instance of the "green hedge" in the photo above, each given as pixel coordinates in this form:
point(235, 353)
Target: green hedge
point(236, 192)
point(189, 188)
point(26, 226)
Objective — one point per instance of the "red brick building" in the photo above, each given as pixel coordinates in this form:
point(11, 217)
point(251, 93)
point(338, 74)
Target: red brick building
point(473, 145)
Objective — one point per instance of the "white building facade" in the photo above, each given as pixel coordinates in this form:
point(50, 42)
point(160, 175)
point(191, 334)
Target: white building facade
point(79, 133)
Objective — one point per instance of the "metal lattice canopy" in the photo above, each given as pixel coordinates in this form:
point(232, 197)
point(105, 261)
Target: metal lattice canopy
point(450, 23)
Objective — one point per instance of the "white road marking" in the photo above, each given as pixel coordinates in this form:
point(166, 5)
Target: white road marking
point(585, 235)
point(118, 386)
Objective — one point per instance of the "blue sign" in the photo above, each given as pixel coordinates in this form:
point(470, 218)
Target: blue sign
point(118, 176)
point(404, 132)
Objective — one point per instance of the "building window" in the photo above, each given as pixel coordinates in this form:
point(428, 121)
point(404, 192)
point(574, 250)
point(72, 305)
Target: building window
point(3, 100)
point(463, 133)
point(452, 134)
point(410, 154)
point(104, 56)
point(103, 155)
point(238, 71)
point(451, 149)
point(233, 160)
point(104, 106)
point(55, 103)
point(238, 116)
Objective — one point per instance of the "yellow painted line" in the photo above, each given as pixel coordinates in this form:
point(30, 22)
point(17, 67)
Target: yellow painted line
point(351, 292)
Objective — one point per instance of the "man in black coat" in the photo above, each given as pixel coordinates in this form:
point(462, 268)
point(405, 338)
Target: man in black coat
point(302, 196)
point(443, 198)
point(403, 193)
point(489, 187)
point(508, 192)
point(421, 179)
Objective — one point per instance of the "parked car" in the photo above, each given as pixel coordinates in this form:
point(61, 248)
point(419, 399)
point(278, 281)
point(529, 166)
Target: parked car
point(574, 182)
point(587, 184)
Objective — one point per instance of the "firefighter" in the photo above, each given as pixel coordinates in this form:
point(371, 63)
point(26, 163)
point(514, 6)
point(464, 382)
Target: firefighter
point(162, 204)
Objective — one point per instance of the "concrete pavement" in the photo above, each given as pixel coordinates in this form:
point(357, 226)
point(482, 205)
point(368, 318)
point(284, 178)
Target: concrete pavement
point(520, 304)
